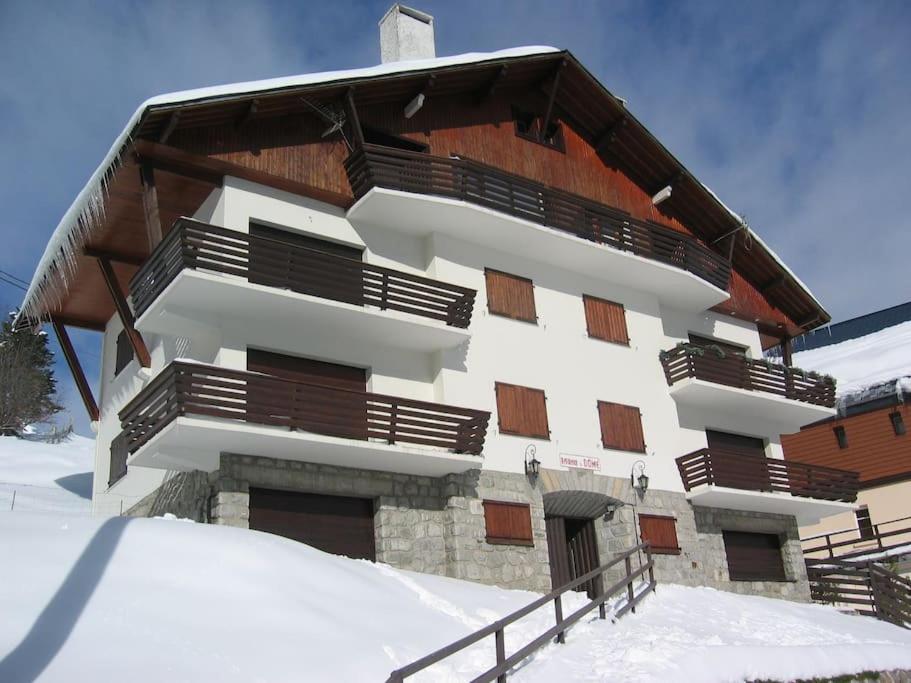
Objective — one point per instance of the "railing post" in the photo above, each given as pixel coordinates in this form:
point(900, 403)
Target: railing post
point(879, 539)
point(629, 586)
point(651, 567)
point(558, 610)
point(393, 416)
point(829, 546)
point(384, 291)
point(500, 640)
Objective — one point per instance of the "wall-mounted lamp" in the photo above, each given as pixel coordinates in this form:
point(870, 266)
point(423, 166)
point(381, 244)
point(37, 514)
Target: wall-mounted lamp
point(640, 480)
point(414, 106)
point(661, 195)
point(532, 464)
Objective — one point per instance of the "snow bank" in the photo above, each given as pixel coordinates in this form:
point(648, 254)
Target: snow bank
point(863, 362)
point(155, 599)
point(46, 476)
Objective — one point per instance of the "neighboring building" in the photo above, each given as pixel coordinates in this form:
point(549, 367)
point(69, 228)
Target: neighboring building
point(444, 314)
point(870, 356)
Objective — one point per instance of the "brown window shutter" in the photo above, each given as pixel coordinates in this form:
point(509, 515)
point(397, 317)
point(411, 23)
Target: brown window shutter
point(510, 295)
point(660, 532)
point(605, 320)
point(508, 523)
point(753, 557)
point(522, 411)
point(621, 427)
point(124, 352)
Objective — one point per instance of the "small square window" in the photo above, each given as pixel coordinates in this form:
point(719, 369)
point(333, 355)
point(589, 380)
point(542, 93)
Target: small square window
point(529, 126)
point(898, 423)
point(864, 523)
point(841, 436)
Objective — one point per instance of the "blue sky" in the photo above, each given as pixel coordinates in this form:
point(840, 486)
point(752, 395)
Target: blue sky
point(795, 113)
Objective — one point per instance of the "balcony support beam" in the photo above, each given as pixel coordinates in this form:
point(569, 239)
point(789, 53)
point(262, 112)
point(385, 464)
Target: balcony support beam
point(169, 128)
point(355, 121)
point(72, 361)
point(552, 99)
point(124, 313)
point(494, 83)
point(606, 139)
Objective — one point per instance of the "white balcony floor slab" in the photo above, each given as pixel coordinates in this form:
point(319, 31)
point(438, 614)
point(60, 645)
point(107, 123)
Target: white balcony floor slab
point(196, 297)
point(195, 443)
point(420, 214)
point(806, 510)
point(721, 400)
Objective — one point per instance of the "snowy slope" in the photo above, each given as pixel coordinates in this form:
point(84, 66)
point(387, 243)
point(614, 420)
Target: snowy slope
point(46, 476)
point(859, 363)
point(164, 600)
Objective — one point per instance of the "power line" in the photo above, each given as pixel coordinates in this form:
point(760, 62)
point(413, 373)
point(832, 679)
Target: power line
point(5, 278)
point(13, 277)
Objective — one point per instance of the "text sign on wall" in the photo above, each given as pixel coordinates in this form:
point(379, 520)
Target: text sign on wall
point(580, 462)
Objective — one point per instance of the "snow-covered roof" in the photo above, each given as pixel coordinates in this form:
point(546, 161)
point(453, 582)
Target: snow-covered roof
point(88, 207)
point(858, 365)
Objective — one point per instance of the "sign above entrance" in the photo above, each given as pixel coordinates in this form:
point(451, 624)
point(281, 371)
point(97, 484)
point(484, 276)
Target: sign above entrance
point(580, 462)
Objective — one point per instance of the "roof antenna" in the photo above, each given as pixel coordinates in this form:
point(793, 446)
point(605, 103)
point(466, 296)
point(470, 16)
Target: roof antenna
point(333, 115)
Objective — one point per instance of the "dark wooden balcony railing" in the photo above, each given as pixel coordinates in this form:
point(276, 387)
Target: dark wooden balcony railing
point(285, 265)
point(735, 370)
point(200, 390)
point(756, 473)
point(470, 181)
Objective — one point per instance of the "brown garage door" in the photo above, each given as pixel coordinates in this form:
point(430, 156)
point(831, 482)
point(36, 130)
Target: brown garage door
point(753, 557)
point(334, 524)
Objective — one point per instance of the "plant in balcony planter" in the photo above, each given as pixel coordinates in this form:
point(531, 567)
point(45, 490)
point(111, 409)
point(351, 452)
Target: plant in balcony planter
point(717, 349)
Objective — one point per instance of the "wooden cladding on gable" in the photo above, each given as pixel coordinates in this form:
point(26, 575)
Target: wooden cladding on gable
point(660, 532)
point(508, 523)
point(605, 320)
point(621, 427)
point(522, 411)
point(510, 295)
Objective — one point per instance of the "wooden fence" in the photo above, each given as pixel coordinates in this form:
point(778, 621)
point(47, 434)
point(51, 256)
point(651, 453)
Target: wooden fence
point(865, 587)
point(562, 624)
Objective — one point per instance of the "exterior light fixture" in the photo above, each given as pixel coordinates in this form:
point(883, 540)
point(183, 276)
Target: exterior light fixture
point(414, 106)
point(639, 481)
point(532, 464)
point(661, 195)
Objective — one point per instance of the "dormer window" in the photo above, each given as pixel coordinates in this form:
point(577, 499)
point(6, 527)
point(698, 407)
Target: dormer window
point(528, 126)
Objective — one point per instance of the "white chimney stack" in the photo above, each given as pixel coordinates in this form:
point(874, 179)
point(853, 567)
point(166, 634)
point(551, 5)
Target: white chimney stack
point(405, 34)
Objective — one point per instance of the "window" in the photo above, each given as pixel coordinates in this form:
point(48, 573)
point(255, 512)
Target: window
point(753, 557)
point(119, 455)
point(522, 411)
point(864, 523)
point(508, 523)
point(898, 423)
point(605, 320)
point(660, 532)
point(124, 352)
point(841, 436)
point(510, 295)
point(528, 126)
point(621, 427)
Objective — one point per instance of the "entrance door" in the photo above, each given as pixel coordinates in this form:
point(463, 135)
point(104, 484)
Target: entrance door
point(573, 551)
point(307, 265)
point(749, 472)
point(322, 411)
point(334, 524)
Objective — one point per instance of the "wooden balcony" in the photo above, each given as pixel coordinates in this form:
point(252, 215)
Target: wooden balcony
point(285, 265)
point(487, 187)
point(760, 484)
point(190, 413)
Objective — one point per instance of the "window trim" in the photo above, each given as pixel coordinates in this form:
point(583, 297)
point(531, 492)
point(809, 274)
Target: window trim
point(661, 550)
point(531, 283)
point(496, 390)
point(588, 327)
point(509, 540)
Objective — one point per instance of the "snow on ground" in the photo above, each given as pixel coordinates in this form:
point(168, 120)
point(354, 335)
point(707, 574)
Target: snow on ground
point(859, 363)
point(156, 599)
point(46, 476)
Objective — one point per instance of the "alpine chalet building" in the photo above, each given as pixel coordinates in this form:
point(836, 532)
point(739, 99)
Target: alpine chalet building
point(462, 315)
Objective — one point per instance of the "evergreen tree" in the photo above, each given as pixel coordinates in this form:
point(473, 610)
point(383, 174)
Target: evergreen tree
point(28, 389)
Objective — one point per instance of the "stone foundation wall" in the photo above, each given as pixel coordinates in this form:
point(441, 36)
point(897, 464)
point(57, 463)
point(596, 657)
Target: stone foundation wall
point(436, 525)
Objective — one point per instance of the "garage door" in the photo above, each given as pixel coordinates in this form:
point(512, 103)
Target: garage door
point(753, 557)
point(334, 524)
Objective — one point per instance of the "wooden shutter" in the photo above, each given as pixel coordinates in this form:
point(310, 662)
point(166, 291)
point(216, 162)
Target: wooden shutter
point(605, 320)
point(660, 532)
point(753, 557)
point(508, 523)
point(522, 411)
point(124, 352)
point(119, 455)
point(510, 295)
point(621, 427)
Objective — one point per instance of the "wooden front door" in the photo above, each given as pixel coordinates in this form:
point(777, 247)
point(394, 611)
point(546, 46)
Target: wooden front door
point(304, 264)
point(573, 551)
point(333, 402)
point(333, 524)
point(748, 472)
